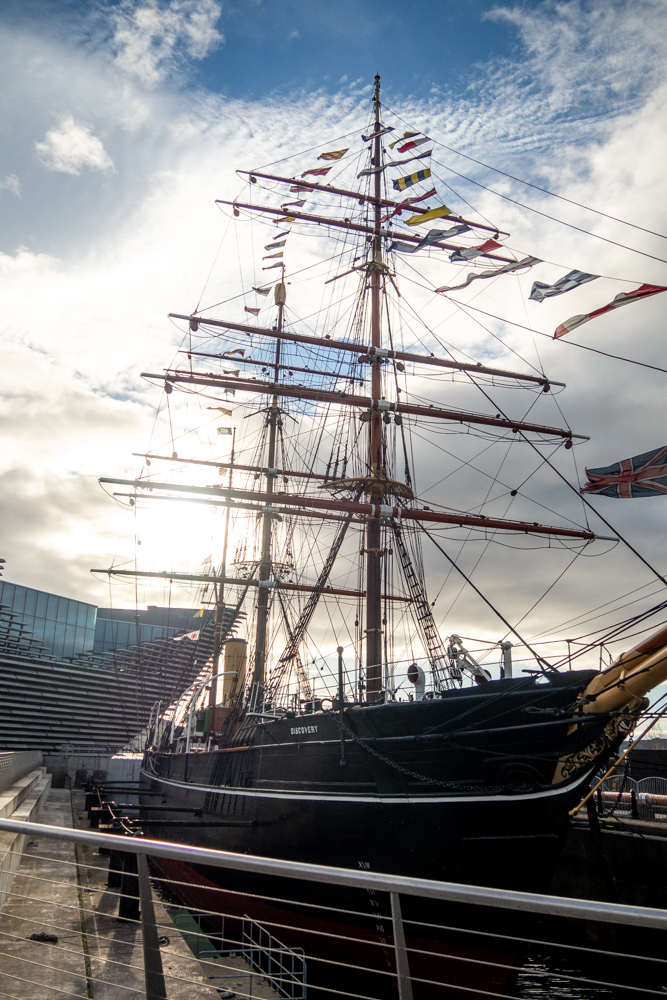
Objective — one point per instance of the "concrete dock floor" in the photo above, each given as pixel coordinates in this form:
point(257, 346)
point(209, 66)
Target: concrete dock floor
point(61, 890)
point(44, 897)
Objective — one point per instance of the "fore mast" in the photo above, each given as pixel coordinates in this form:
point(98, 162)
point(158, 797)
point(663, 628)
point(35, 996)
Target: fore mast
point(374, 631)
point(373, 533)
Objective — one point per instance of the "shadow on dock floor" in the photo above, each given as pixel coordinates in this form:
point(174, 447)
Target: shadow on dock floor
point(60, 891)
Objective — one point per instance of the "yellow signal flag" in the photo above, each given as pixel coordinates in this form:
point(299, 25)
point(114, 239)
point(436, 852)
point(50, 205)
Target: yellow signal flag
point(335, 155)
point(270, 256)
point(221, 409)
point(435, 213)
point(286, 218)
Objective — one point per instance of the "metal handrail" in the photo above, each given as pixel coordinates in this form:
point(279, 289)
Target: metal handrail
point(582, 909)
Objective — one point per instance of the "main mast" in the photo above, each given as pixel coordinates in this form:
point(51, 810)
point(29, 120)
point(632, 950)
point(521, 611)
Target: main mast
point(265, 563)
point(373, 534)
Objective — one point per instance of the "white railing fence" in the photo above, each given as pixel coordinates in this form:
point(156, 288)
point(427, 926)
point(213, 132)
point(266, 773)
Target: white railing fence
point(86, 918)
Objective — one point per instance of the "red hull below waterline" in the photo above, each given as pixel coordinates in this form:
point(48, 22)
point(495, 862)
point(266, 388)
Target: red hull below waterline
point(355, 958)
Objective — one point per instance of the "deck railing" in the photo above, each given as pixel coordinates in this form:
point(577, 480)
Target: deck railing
point(115, 931)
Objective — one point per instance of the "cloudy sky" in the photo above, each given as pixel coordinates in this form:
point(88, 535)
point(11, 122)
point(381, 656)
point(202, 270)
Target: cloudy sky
point(122, 122)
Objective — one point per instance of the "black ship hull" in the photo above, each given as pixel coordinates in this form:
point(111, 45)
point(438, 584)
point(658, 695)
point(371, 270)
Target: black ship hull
point(458, 789)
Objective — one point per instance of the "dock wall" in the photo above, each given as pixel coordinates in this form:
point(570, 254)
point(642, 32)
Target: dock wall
point(636, 852)
point(21, 800)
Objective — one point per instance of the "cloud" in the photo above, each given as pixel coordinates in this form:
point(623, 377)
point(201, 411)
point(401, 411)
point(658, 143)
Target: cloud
point(100, 275)
point(293, 35)
point(11, 183)
point(147, 35)
point(563, 41)
point(71, 146)
point(578, 69)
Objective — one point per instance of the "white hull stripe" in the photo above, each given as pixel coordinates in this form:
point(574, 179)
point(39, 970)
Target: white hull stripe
point(396, 800)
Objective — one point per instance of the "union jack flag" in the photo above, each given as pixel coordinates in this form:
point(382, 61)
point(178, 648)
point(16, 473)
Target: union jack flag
point(642, 476)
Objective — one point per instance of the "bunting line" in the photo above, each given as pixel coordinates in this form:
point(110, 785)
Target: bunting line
point(622, 299)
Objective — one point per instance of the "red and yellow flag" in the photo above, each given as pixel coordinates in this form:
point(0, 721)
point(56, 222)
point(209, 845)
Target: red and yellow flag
point(318, 172)
point(336, 155)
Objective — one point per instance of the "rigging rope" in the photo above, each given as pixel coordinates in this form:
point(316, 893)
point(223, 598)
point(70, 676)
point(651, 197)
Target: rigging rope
point(587, 208)
point(540, 333)
point(297, 634)
point(529, 208)
point(542, 663)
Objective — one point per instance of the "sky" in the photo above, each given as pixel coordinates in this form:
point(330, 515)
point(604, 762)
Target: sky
point(121, 124)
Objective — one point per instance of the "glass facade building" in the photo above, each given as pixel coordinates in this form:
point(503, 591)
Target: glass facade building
point(68, 628)
point(118, 628)
point(64, 627)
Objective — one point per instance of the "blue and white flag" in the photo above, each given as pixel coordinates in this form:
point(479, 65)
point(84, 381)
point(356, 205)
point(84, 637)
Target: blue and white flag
point(541, 291)
point(518, 265)
point(275, 246)
point(434, 236)
point(372, 170)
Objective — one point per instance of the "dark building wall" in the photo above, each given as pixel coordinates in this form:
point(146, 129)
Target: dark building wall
point(648, 759)
point(101, 701)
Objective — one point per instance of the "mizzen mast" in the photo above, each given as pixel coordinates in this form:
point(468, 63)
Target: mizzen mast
point(373, 531)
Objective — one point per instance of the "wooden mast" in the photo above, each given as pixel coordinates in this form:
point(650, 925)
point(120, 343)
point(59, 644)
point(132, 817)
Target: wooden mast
point(220, 603)
point(265, 564)
point(373, 531)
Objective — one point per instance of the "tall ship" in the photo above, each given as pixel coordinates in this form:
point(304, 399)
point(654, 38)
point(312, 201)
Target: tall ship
point(346, 729)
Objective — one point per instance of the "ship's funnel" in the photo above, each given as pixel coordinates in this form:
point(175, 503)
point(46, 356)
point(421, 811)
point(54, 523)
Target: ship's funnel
point(632, 675)
point(233, 678)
